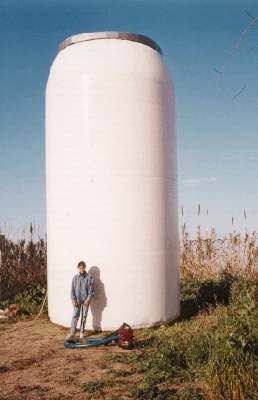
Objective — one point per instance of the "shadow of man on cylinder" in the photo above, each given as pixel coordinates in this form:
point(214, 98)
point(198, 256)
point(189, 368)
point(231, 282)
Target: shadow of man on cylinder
point(99, 302)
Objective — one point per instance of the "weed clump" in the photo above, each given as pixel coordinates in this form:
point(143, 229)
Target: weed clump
point(93, 387)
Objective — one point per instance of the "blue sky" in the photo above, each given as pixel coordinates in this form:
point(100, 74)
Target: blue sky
point(216, 87)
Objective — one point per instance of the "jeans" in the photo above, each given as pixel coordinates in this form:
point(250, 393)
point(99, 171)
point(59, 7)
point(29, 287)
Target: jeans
point(83, 310)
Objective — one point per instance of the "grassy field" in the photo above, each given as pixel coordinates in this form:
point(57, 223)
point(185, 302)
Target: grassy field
point(210, 352)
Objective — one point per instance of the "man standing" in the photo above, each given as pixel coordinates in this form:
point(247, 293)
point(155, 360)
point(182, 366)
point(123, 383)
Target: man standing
point(82, 292)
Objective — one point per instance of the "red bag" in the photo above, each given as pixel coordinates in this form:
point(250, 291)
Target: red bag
point(125, 333)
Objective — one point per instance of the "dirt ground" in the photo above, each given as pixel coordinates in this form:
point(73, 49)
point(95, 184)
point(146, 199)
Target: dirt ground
point(35, 365)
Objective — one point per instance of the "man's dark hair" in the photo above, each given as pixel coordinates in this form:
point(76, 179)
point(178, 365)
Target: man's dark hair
point(82, 263)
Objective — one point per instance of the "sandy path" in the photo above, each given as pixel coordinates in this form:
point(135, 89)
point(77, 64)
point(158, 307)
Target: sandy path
point(35, 365)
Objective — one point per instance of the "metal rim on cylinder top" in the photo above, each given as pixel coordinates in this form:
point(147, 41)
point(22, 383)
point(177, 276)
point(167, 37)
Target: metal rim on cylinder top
point(134, 37)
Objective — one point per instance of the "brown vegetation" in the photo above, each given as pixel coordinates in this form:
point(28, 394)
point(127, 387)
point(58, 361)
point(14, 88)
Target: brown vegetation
point(23, 266)
point(207, 256)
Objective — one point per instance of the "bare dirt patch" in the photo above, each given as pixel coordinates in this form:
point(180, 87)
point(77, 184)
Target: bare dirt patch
point(35, 365)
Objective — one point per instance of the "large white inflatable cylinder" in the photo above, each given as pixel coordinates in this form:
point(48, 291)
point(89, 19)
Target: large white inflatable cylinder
point(111, 178)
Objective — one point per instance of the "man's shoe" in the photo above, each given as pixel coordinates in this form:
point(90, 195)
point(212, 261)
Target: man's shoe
point(70, 338)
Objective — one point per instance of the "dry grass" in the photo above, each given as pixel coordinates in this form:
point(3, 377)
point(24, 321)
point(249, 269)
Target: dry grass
point(207, 256)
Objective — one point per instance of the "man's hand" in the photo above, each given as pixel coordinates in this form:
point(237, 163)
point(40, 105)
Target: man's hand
point(87, 302)
point(75, 304)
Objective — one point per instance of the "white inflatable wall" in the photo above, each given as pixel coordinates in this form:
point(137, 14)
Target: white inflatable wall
point(111, 176)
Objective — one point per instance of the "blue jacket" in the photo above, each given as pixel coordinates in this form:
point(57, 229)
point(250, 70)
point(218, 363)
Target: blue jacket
point(82, 287)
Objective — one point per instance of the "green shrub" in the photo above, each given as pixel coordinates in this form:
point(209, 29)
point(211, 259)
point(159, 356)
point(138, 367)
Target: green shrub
point(197, 295)
point(29, 301)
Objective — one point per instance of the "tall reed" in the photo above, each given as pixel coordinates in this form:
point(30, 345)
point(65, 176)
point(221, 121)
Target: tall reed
point(23, 265)
point(207, 256)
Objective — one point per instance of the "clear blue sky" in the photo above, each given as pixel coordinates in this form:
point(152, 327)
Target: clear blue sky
point(217, 128)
